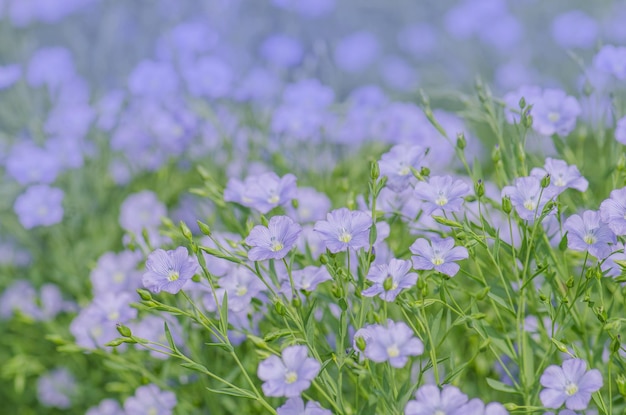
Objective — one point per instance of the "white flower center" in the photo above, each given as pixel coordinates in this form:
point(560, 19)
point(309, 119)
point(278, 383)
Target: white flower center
point(437, 260)
point(554, 116)
point(119, 277)
point(441, 199)
point(291, 377)
point(345, 236)
point(114, 316)
point(571, 389)
point(241, 290)
point(404, 170)
point(173, 276)
point(273, 199)
point(559, 181)
point(439, 412)
point(393, 351)
point(276, 245)
point(590, 239)
point(529, 204)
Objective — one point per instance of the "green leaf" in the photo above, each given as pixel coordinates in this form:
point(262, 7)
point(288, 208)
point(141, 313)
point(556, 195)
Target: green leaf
point(195, 367)
point(224, 315)
point(240, 393)
point(168, 336)
point(499, 386)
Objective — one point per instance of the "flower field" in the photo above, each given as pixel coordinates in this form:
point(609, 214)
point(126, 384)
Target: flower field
point(312, 207)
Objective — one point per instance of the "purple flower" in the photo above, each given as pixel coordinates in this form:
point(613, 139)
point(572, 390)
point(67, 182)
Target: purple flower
point(40, 205)
point(9, 75)
point(295, 406)
point(28, 163)
point(397, 163)
point(153, 79)
point(589, 234)
point(431, 401)
point(149, 399)
point(613, 211)
point(612, 60)
point(390, 279)
point(620, 131)
point(438, 254)
point(356, 52)
point(477, 407)
point(241, 286)
point(345, 229)
point(263, 192)
point(209, 77)
point(116, 273)
point(571, 384)
point(441, 192)
point(282, 50)
point(562, 176)
point(290, 375)
point(574, 29)
point(19, 296)
point(312, 205)
point(528, 197)
point(394, 343)
point(169, 270)
point(106, 407)
point(307, 279)
point(274, 241)
point(50, 66)
point(555, 113)
point(609, 265)
point(56, 388)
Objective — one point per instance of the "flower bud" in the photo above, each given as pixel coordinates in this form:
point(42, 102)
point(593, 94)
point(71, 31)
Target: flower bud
point(522, 103)
point(388, 283)
point(528, 121)
point(507, 207)
point(144, 294)
point(123, 330)
point(324, 259)
point(280, 308)
point(360, 343)
point(479, 188)
point(295, 203)
point(184, 229)
point(496, 154)
point(461, 143)
point(545, 181)
point(374, 171)
point(204, 228)
point(621, 384)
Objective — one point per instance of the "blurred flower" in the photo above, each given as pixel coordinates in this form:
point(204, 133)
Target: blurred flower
point(397, 163)
point(142, 210)
point(418, 39)
point(169, 270)
point(56, 388)
point(441, 192)
point(106, 407)
point(477, 407)
point(27, 163)
point(282, 50)
point(613, 211)
point(241, 285)
point(570, 383)
point(589, 234)
point(307, 279)
point(575, 29)
point(274, 241)
point(354, 53)
point(438, 254)
point(288, 375)
point(307, 8)
point(50, 66)
point(295, 406)
point(612, 60)
point(555, 113)
point(390, 279)
point(431, 401)
point(116, 272)
point(562, 176)
point(153, 79)
point(345, 229)
point(40, 205)
point(398, 74)
point(620, 131)
point(20, 296)
point(209, 77)
point(149, 399)
point(262, 192)
point(9, 74)
point(312, 205)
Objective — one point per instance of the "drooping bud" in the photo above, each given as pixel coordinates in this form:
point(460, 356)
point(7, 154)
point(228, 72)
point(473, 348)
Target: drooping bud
point(461, 142)
point(545, 181)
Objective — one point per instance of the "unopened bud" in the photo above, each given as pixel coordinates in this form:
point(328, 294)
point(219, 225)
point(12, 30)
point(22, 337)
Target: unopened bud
point(621, 384)
point(295, 203)
point(507, 207)
point(425, 171)
point(545, 181)
point(483, 293)
point(360, 343)
point(324, 259)
point(297, 302)
point(461, 143)
point(570, 282)
point(528, 121)
point(144, 294)
point(559, 345)
point(388, 283)
point(204, 228)
point(280, 308)
point(522, 103)
point(374, 171)
point(123, 330)
point(496, 154)
point(479, 188)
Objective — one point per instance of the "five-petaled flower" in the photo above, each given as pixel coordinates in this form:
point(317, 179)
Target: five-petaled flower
point(290, 375)
point(343, 229)
point(571, 384)
point(589, 234)
point(438, 254)
point(168, 270)
point(441, 192)
point(273, 241)
point(394, 343)
point(390, 279)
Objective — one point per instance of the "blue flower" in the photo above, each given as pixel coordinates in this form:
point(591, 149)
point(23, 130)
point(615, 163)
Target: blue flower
point(394, 343)
point(290, 375)
point(589, 234)
point(295, 406)
point(438, 254)
point(390, 279)
point(570, 384)
point(168, 270)
point(345, 229)
point(431, 401)
point(441, 192)
point(273, 241)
